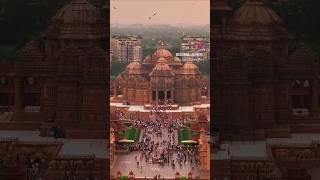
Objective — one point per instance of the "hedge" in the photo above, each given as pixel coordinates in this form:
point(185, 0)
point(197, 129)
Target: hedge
point(184, 134)
point(130, 133)
point(180, 135)
point(133, 133)
point(136, 135)
point(195, 133)
point(123, 178)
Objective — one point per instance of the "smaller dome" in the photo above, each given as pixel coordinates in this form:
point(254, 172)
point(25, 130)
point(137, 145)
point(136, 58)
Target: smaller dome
point(189, 68)
point(134, 68)
point(162, 68)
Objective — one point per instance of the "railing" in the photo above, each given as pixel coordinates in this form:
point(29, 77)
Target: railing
point(32, 109)
point(300, 112)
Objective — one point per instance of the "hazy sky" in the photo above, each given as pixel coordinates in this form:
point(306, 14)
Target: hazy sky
point(193, 12)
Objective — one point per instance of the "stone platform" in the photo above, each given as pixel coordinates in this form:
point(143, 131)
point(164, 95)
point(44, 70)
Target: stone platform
point(173, 106)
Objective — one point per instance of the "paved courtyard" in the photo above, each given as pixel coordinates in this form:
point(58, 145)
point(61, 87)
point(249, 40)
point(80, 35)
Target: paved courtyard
point(126, 163)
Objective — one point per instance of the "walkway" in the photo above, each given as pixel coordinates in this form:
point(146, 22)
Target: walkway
point(126, 163)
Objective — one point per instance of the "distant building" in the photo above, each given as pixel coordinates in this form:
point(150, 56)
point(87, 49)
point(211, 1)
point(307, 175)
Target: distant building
point(196, 47)
point(111, 55)
point(127, 48)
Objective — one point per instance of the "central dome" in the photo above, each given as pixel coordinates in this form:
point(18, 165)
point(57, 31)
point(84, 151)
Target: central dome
point(162, 53)
point(77, 11)
point(77, 20)
point(254, 12)
point(254, 21)
point(134, 68)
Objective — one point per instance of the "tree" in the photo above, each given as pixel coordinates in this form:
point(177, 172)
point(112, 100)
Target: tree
point(116, 67)
point(204, 67)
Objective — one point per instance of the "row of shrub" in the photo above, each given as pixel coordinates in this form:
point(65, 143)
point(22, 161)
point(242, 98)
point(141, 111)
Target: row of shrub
point(133, 133)
point(184, 134)
point(195, 133)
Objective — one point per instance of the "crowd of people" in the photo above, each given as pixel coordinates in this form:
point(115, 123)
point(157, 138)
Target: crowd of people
point(163, 106)
point(158, 143)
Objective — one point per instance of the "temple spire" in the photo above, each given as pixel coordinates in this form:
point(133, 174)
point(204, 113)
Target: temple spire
point(161, 44)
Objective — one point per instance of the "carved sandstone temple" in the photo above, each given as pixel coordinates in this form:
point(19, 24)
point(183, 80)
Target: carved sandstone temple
point(264, 78)
point(58, 80)
point(61, 79)
point(266, 101)
point(161, 77)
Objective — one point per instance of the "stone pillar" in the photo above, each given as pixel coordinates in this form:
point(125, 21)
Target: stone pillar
point(157, 96)
point(165, 97)
point(150, 96)
point(172, 99)
point(315, 98)
point(17, 94)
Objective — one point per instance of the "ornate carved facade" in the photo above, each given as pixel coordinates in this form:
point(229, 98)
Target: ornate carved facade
point(264, 78)
point(33, 160)
point(60, 80)
point(161, 77)
point(265, 97)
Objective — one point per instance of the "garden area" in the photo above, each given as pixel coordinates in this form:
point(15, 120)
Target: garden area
point(187, 136)
point(130, 133)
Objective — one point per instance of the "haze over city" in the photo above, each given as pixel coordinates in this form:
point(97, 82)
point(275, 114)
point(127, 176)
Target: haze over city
point(173, 12)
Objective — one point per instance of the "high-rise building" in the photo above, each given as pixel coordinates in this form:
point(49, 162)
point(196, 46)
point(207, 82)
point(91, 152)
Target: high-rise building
point(127, 48)
point(196, 47)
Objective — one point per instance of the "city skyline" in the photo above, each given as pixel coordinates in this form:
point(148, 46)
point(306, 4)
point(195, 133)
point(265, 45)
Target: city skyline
point(175, 12)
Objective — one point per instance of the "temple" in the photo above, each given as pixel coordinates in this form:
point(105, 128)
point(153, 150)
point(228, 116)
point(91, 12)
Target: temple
point(161, 78)
point(165, 90)
point(56, 88)
point(266, 98)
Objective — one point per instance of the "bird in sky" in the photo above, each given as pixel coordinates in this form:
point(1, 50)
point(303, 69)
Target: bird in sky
point(149, 18)
point(154, 14)
point(114, 8)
